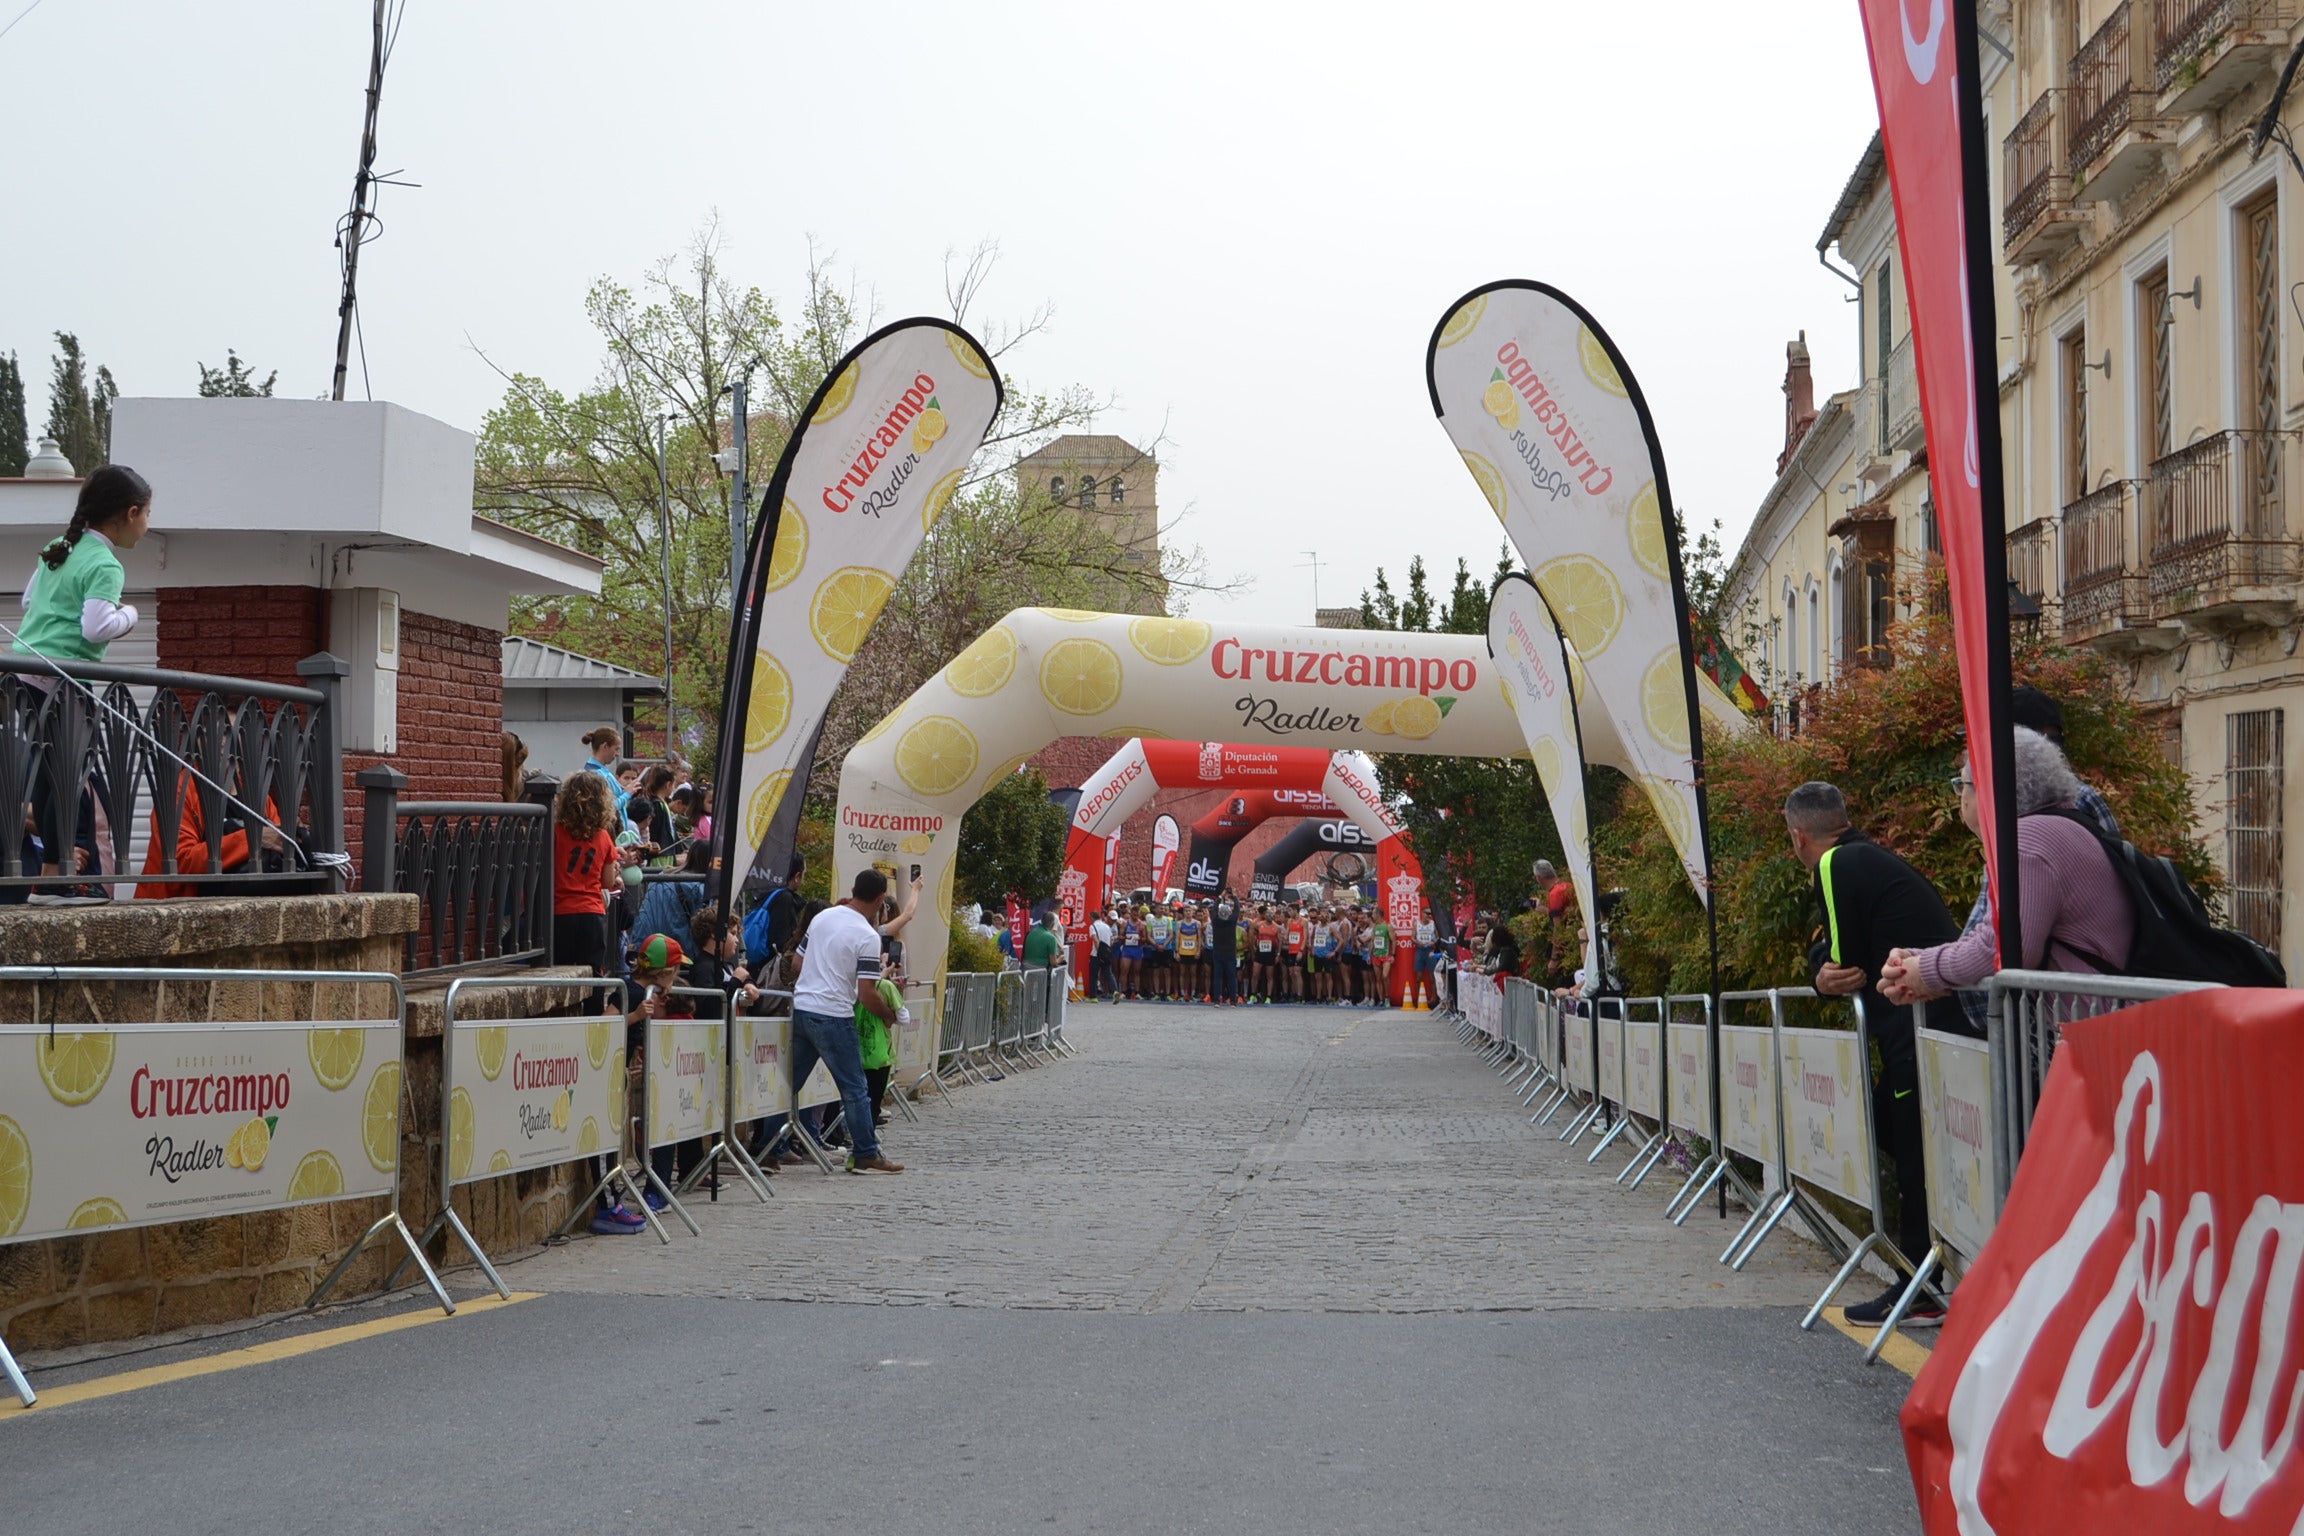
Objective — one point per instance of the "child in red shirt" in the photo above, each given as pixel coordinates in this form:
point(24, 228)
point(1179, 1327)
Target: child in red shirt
point(585, 869)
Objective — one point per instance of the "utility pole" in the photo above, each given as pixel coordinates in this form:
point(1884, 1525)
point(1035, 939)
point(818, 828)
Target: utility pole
point(740, 507)
point(353, 232)
point(1314, 562)
point(664, 545)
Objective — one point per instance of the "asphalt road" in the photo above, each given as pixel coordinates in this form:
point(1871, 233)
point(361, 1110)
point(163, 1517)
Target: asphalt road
point(1313, 1275)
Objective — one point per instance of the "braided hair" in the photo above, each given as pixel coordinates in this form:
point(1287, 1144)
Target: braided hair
point(110, 493)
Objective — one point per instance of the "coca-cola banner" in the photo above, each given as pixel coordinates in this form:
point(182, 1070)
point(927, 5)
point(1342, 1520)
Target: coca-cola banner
point(2124, 1354)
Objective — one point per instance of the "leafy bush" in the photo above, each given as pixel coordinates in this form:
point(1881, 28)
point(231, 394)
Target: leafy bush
point(969, 950)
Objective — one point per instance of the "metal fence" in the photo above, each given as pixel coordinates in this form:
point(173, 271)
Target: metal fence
point(482, 874)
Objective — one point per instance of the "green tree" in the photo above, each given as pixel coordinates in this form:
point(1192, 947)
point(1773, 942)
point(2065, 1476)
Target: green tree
point(1416, 606)
point(80, 409)
point(235, 380)
point(1012, 840)
point(15, 446)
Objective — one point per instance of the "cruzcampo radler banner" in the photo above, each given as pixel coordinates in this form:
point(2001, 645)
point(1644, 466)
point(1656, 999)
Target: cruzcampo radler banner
point(1553, 427)
point(533, 1093)
point(879, 454)
point(1534, 668)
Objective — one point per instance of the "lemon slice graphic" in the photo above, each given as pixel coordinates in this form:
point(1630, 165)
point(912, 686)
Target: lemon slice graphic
point(15, 1176)
point(1460, 323)
point(887, 721)
point(969, 357)
point(1546, 753)
point(1491, 483)
point(596, 1044)
point(255, 1144)
point(380, 1116)
point(1073, 615)
point(1081, 677)
point(318, 1177)
point(837, 397)
point(1416, 717)
point(1380, 718)
point(1599, 367)
point(936, 756)
point(844, 608)
point(99, 1212)
point(1170, 642)
point(1645, 528)
point(460, 1130)
point(985, 667)
point(490, 1045)
point(588, 1138)
point(929, 430)
point(932, 510)
point(499, 1161)
point(74, 1067)
point(1664, 700)
point(1005, 769)
point(769, 709)
point(791, 551)
point(1671, 804)
point(1585, 598)
point(760, 810)
point(335, 1055)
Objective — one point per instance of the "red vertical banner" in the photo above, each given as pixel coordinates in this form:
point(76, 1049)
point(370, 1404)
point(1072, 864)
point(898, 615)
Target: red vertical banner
point(1932, 129)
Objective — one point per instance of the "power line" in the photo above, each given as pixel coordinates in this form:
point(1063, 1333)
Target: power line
point(20, 15)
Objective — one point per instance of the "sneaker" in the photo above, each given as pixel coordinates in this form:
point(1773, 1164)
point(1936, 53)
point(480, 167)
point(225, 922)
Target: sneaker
point(1925, 1312)
point(873, 1164)
point(656, 1202)
point(616, 1221)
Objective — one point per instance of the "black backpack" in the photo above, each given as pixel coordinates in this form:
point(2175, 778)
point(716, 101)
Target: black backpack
point(2175, 939)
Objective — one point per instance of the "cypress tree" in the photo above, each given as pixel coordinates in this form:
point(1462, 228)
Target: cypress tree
point(71, 411)
point(15, 449)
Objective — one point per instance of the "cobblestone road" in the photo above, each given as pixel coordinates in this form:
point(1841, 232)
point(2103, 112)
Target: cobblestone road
point(1318, 1159)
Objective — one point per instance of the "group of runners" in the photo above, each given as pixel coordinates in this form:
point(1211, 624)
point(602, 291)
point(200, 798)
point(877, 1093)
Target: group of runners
point(1231, 952)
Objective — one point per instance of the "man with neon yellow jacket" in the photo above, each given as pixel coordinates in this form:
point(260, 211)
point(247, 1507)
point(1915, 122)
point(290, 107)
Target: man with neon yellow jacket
point(1873, 902)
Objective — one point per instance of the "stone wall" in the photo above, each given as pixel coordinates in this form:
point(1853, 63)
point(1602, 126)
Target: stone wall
point(125, 1283)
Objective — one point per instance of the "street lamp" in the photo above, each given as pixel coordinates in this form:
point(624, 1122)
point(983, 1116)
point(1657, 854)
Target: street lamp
point(664, 548)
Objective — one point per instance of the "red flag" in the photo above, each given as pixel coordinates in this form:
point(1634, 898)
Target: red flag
point(1932, 128)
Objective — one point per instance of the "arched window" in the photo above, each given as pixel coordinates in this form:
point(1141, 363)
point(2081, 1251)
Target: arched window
point(1056, 488)
point(1116, 490)
point(1791, 635)
point(1087, 491)
point(1815, 633)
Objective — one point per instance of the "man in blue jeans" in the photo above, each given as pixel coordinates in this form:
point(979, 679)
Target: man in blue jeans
point(840, 971)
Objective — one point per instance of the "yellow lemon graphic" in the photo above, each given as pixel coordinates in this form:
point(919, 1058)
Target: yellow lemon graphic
point(380, 1117)
point(588, 1138)
point(255, 1144)
point(1073, 615)
point(460, 1132)
point(880, 730)
point(936, 756)
point(932, 510)
point(335, 1055)
point(99, 1212)
point(969, 357)
point(490, 1045)
point(1599, 367)
point(837, 397)
point(844, 608)
point(1380, 718)
point(1416, 717)
point(918, 843)
point(1170, 642)
point(1585, 598)
point(616, 1099)
point(1491, 483)
point(1081, 677)
point(562, 1108)
point(1546, 755)
point(761, 808)
point(1511, 701)
point(944, 890)
point(1503, 403)
point(791, 551)
point(499, 1161)
point(14, 1175)
point(318, 1177)
point(1131, 732)
point(929, 430)
point(1671, 809)
point(596, 1044)
point(1460, 323)
point(985, 667)
point(1646, 530)
point(769, 709)
point(232, 1148)
point(74, 1066)
point(1001, 772)
point(1664, 700)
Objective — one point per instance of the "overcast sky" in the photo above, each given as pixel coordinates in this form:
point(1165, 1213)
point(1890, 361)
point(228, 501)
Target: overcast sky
point(1246, 217)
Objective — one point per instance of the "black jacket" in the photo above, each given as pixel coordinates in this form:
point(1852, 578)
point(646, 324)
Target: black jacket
point(1873, 902)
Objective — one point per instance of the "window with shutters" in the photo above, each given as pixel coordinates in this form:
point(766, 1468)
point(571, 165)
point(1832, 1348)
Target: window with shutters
point(2260, 392)
point(1884, 343)
point(2254, 828)
point(2156, 392)
point(2073, 429)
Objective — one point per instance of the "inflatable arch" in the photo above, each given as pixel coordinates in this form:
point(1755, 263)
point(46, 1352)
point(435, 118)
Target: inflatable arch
point(1042, 673)
point(1216, 834)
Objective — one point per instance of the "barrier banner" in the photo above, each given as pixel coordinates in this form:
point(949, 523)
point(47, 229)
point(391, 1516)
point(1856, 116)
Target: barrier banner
point(914, 1044)
point(1644, 1069)
point(1576, 1047)
point(1748, 1090)
point(1823, 1117)
point(148, 1123)
point(1611, 1058)
point(2123, 1354)
point(1548, 418)
point(685, 1081)
point(1691, 1074)
point(1955, 1131)
point(879, 453)
point(762, 1067)
point(531, 1093)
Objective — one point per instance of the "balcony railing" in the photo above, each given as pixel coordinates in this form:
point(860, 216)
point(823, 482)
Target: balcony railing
point(482, 874)
point(1903, 387)
point(2028, 167)
point(2192, 37)
point(2031, 556)
point(94, 780)
point(2217, 521)
point(2102, 79)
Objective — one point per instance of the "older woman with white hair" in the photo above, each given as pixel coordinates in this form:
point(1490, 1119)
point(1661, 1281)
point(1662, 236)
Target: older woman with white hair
point(2076, 913)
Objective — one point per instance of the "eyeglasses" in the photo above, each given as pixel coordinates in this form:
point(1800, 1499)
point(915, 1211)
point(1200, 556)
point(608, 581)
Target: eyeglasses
point(1962, 781)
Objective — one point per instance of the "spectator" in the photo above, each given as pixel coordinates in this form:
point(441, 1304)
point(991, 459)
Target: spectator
point(1420, 989)
point(1224, 947)
point(1874, 904)
point(515, 768)
point(604, 746)
point(842, 970)
point(2077, 915)
point(1503, 950)
point(873, 1047)
point(658, 966)
point(671, 905)
point(1042, 948)
point(1103, 980)
point(649, 814)
point(585, 871)
point(684, 811)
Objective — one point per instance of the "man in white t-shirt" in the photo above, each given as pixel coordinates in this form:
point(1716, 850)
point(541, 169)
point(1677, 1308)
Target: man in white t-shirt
point(1101, 980)
point(842, 970)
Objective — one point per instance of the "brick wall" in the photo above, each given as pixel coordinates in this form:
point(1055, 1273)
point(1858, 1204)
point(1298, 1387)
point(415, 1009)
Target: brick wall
point(451, 682)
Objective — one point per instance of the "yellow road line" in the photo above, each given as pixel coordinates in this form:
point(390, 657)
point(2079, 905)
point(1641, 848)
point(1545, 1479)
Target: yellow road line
point(255, 1354)
point(1902, 1352)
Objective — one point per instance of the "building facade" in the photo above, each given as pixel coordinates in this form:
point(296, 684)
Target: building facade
point(1116, 486)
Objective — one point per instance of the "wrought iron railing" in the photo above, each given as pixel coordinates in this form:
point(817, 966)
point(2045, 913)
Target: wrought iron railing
point(2101, 586)
point(2028, 167)
point(1902, 382)
point(481, 873)
point(93, 761)
point(2031, 554)
point(2216, 519)
point(2186, 29)
point(2102, 79)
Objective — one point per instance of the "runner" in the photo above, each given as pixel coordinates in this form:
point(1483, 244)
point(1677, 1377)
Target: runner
point(1292, 958)
point(1267, 955)
point(1194, 977)
point(1132, 954)
point(1355, 959)
point(1421, 993)
point(1160, 952)
point(1380, 958)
